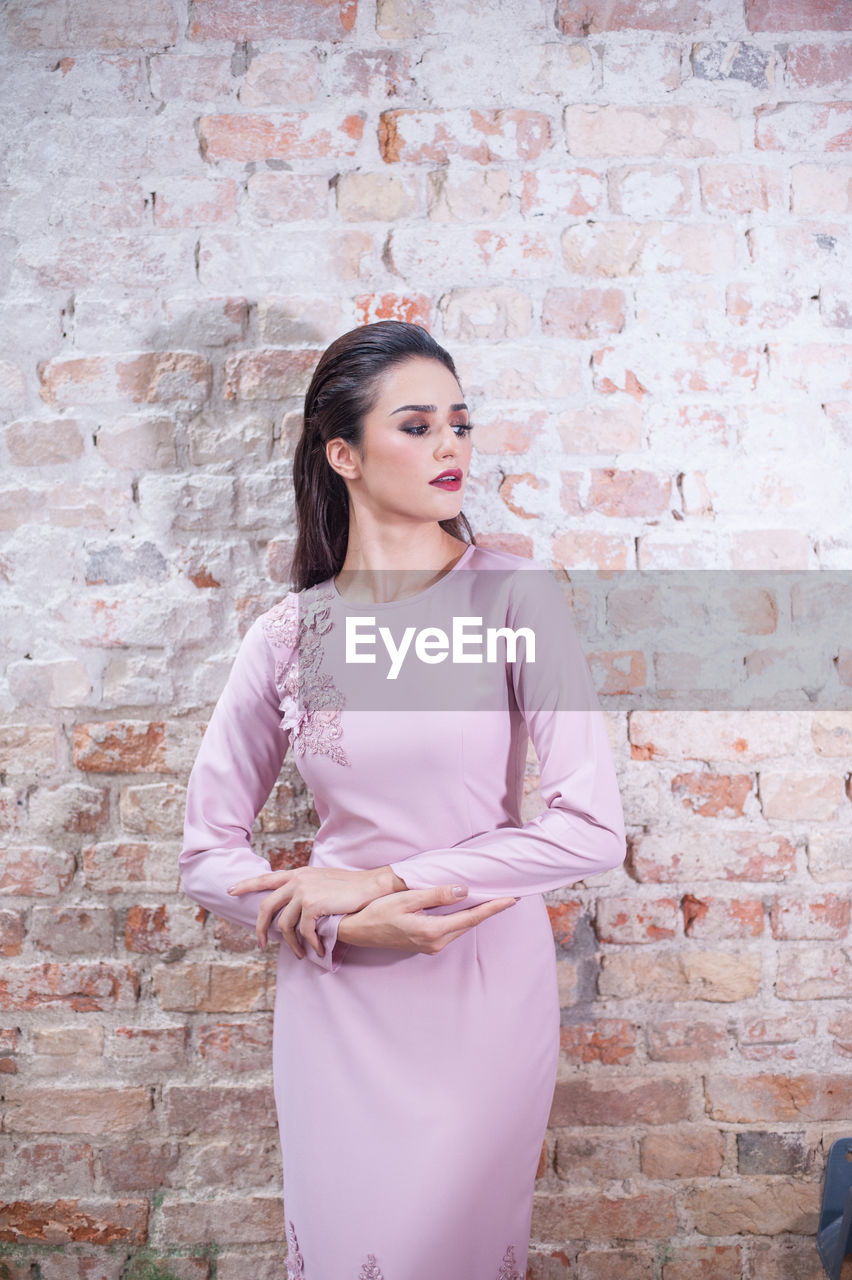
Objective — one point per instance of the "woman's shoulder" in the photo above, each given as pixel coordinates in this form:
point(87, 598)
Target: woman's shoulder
point(297, 611)
point(280, 623)
point(508, 561)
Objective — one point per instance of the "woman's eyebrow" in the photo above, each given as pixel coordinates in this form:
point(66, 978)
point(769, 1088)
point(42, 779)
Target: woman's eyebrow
point(427, 408)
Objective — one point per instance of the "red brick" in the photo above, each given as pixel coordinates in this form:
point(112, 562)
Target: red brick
point(35, 872)
point(680, 975)
point(208, 1108)
point(194, 202)
point(620, 672)
point(27, 748)
point(11, 934)
point(564, 917)
point(598, 1101)
point(135, 25)
point(433, 137)
point(118, 866)
point(768, 1208)
point(169, 930)
point(557, 192)
point(63, 1221)
point(152, 377)
point(642, 189)
point(722, 917)
point(191, 77)
point(73, 807)
point(589, 550)
point(152, 1048)
point(241, 20)
point(269, 375)
point(734, 188)
point(713, 795)
point(641, 130)
point(582, 313)
point(63, 1166)
point(601, 1154)
point(793, 1258)
point(819, 65)
point(714, 735)
point(682, 1041)
point(634, 920)
point(249, 1219)
point(216, 988)
point(101, 985)
point(776, 1037)
point(702, 1262)
point(841, 1027)
point(746, 1099)
point(823, 918)
point(298, 135)
point(585, 18)
point(66, 1110)
point(70, 931)
point(288, 197)
point(417, 308)
point(797, 15)
point(815, 127)
point(761, 306)
point(34, 443)
point(628, 493)
point(627, 1264)
point(236, 1046)
point(792, 796)
point(609, 1040)
point(728, 855)
point(137, 1166)
point(813, 972)
point(120, 746)
point(690, 1151)
point(601, 429)
point(601, 1217)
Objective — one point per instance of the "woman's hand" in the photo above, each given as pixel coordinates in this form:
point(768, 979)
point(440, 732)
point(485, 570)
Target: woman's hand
point(300, 896)
point(398, 921)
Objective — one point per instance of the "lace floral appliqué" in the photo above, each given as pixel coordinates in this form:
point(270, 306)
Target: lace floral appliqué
point(295, 1261)
point(371, 1269)
point(508, 1270)
point(309, 699)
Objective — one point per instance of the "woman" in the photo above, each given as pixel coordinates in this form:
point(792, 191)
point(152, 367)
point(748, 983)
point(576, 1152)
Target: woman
point(416, 1025)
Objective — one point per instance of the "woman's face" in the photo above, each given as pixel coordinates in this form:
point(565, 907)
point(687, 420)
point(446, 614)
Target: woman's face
point(418, 430)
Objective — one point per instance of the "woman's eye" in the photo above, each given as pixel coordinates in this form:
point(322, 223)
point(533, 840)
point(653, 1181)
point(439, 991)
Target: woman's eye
point(461, 428)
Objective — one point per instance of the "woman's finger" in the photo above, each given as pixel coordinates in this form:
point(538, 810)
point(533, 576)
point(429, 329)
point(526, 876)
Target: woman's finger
point(286, 922)
point(268, 909)
point(308, 930)
point(267, 880)
point(460, 921)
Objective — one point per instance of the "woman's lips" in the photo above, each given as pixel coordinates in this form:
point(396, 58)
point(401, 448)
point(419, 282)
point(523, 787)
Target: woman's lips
point(452, 480)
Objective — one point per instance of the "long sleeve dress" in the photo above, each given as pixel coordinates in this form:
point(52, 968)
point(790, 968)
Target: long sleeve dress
point(413, 1090)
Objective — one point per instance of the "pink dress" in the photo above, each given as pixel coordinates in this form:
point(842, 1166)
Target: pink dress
point(413, 1090)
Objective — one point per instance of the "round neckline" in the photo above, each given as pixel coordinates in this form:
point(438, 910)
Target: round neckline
point(418, 595)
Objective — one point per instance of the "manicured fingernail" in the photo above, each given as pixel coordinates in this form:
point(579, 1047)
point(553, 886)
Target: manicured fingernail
point(459, 891)
point(231, 889)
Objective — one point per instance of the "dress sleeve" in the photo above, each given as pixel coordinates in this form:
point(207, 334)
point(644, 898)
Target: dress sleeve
point(581, 833)
point(237, 765)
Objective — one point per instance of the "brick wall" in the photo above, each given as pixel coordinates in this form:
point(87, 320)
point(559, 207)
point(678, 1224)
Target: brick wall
point(629, 223)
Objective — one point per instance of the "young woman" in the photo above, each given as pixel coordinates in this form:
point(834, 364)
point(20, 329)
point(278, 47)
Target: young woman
point(416, 1025)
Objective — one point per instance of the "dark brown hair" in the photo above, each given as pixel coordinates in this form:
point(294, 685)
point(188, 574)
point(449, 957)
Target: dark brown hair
point(343, 390)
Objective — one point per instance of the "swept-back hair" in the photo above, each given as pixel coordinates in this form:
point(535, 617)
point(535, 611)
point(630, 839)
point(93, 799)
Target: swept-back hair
point(343, 390)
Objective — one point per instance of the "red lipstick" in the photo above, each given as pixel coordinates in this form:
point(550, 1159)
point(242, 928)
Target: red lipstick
point(450, 479)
